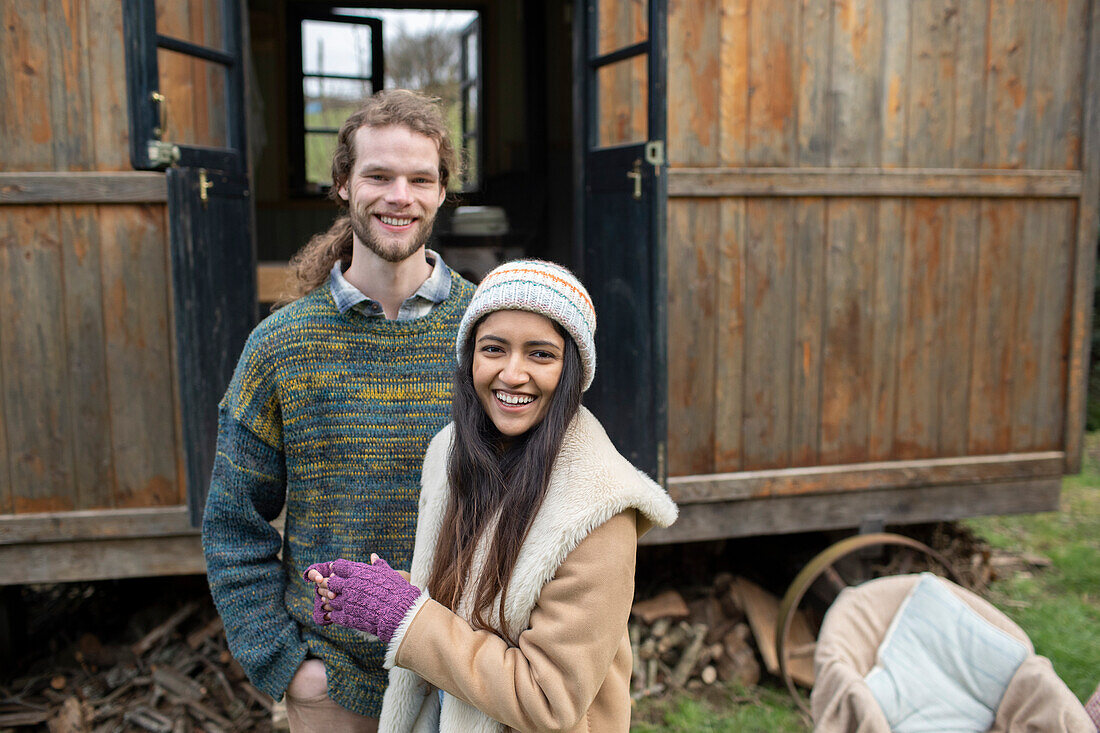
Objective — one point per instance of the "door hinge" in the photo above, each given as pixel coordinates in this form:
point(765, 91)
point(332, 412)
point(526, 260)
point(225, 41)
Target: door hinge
point(655, 153)
point(162, 154)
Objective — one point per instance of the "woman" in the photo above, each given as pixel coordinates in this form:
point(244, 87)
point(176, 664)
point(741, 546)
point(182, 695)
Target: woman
point(528, 528)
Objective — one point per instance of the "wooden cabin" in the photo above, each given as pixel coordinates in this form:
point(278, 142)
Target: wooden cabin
point(841, 250)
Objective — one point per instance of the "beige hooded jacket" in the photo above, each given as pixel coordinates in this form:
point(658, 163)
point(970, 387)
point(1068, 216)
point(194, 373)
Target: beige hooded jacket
point(567, 604)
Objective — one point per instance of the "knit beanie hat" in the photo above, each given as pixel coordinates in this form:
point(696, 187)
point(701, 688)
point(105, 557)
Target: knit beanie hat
point(540, 287)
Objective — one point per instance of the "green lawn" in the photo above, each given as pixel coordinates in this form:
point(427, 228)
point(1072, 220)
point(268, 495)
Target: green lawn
point(1058, 606)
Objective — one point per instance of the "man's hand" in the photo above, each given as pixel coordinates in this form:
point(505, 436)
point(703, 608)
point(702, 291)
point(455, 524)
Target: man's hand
point(369, 597)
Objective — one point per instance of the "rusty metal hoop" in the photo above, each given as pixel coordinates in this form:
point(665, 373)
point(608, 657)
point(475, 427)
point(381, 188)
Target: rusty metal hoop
point(818, 566)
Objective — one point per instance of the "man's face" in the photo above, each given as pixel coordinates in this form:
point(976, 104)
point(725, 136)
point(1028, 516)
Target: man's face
point(393, 190)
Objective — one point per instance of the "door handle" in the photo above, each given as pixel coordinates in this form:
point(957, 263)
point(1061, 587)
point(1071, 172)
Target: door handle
point(205, 184)
point(636, 176)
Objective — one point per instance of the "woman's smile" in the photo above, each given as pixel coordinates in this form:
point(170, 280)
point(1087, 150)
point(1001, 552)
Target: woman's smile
point(516, 368)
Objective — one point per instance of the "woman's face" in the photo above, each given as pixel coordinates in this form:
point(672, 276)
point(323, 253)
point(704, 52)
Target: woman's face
point(517, 365)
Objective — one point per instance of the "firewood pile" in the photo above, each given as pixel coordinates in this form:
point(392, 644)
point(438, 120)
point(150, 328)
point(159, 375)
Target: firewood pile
point(179, 677)
point(678, 645)
point(695, 624)
point(690, 635)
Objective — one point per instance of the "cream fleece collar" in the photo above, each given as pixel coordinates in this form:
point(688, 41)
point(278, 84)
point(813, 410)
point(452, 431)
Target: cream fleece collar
point(590, 483)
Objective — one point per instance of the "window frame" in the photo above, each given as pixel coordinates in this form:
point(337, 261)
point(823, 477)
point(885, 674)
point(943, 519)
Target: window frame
point(474, 28)
point(296, 119)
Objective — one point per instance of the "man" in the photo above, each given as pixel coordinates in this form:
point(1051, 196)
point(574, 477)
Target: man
point(330, 410)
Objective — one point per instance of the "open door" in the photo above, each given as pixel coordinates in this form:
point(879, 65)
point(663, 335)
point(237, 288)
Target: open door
point(619, 50)
point(186, 99)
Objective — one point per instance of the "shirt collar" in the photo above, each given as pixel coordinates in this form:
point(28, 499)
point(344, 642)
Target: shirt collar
point(436, 289)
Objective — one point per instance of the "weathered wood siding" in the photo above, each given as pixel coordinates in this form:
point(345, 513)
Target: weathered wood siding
point(878, 215)
point(88, 402)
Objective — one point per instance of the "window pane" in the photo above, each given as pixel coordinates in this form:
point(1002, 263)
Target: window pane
point(471, 56)
point(470, 108)
point(328, 102)
point(199, 21)
point(336, 48)
point(423, 51)
point(319, 147)
point(470, 177)
point(621, 23)
point(195, 100)
point(623, 88)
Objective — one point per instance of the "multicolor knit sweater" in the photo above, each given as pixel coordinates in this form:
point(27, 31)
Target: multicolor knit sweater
point(329, 414)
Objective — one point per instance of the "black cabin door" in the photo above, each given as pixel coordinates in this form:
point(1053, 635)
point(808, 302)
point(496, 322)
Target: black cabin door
point(620, 121)
point(209, 215)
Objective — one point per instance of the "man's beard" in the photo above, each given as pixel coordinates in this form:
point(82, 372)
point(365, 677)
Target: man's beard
point(388, 250)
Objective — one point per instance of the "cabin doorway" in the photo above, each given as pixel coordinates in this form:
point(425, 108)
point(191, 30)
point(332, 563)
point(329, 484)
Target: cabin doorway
point(559, 109)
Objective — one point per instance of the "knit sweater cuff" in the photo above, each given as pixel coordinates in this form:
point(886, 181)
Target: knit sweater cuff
point(276, 678)
point(399, 634)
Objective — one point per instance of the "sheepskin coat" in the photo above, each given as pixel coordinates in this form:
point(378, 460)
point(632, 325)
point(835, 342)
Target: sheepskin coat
point(567, 605)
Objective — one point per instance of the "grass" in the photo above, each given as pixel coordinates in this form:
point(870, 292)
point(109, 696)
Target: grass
point(1058, 606)
point(721, 710)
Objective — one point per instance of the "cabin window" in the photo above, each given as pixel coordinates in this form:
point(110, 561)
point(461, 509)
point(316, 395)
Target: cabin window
point(343, 54)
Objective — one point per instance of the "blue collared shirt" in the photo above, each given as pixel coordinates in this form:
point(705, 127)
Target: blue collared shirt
point(432, 292)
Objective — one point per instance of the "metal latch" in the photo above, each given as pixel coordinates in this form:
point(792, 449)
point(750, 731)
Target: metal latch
point(655, 153)
point(636, 176)
point(162, 153)
point(205, 184)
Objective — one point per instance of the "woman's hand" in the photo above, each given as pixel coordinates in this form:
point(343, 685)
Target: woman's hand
point(373, 598)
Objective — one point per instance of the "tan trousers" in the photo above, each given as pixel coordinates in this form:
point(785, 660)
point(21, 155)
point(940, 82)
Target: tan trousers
point(309, 709)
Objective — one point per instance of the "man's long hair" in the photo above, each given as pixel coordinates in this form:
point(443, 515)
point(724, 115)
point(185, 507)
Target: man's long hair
point(489, 474)
point(420, 114)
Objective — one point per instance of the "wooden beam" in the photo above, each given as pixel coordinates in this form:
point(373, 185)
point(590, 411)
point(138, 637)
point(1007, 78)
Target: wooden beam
point(1088, 228)
point(61, 562)
point(920, 182)
point(271, 280)
point(95, 524)
point(68, 187)
point(860, 477)
point(813, 512)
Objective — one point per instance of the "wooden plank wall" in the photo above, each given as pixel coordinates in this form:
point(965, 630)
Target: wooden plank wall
point(88, 406)
point(930, 314)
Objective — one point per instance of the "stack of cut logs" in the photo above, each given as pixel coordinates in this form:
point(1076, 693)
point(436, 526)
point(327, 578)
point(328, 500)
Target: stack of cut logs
point(179, 677)
point(677, 644)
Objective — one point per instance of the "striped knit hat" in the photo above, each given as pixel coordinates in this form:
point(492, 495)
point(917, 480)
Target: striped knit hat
point(540, 287)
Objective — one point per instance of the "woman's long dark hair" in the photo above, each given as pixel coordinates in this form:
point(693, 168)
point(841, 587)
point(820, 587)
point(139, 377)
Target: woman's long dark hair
point(488, 472)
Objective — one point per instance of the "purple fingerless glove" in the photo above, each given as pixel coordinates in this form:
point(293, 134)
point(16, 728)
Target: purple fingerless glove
point(371, 598)
point(325, 569)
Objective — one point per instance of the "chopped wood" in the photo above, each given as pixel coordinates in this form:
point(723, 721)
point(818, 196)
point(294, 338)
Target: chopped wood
point(24, 717)
point(762, 609)
point(69, 718)
point(660, 627)
point(738, 661)
point(196, 638)
point(204, 711)
point(669, 604)
point(261, 698)
point(178, 684)
point(684, 667)
point(148, 719)
point(178, 678)
point(637, 675)
point(149, 640)
point(709, 675)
